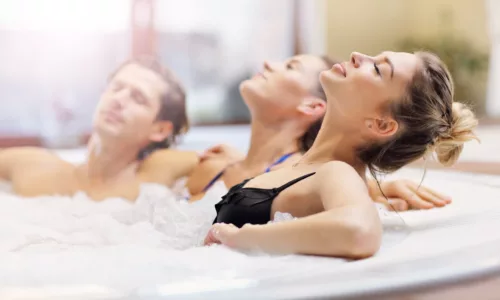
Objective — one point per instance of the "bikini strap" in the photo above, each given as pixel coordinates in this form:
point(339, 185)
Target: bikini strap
point(292, 182)
point(214, 180)
point(280, 160)
point(219, 175)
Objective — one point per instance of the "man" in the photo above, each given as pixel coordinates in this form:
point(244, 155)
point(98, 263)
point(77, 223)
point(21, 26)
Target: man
point(141, 111)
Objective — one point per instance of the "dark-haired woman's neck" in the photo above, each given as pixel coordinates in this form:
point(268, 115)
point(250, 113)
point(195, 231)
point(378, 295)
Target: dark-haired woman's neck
point(270, 141)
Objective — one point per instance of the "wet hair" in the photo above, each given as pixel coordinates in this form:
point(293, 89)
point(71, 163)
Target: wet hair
point(307, 139)
point(172, 102)
point(429, 121)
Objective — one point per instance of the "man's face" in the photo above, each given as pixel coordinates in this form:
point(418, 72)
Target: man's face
point(130, 104)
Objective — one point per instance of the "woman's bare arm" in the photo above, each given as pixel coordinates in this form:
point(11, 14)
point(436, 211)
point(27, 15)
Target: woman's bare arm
point(349, 226)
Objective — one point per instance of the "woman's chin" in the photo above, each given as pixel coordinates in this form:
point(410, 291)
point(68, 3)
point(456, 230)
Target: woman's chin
point(251, 91)
point(328, 79)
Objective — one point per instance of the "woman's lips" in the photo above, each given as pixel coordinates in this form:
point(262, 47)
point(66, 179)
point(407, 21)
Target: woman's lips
point(339, 68)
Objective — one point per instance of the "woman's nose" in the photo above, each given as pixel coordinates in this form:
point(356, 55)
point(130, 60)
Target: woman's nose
point(271, 66)
point(267, 66)
point(357, 59)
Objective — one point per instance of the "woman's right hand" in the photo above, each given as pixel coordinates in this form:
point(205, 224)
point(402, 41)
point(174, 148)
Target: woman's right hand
point(223, 152)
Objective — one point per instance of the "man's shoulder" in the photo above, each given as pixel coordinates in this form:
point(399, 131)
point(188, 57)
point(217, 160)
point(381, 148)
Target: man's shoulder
point(28, 159)
point(28, 154)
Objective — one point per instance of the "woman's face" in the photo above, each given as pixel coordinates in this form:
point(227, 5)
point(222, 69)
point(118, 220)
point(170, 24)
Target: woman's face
point(282, 86)
point(365, 85)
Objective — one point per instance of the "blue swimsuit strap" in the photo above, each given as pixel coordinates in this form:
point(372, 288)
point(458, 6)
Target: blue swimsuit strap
point(280, 160)
point(214, 180)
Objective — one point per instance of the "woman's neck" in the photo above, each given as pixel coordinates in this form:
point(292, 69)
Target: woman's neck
point(335, 143)
point(270, 141)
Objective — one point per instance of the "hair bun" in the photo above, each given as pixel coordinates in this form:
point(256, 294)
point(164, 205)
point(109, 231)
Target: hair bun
point(450, 144)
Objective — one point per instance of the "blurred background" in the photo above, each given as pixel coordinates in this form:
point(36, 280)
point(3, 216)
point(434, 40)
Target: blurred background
point(55, 55)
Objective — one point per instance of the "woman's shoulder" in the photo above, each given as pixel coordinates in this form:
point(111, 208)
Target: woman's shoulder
point(337, 172)
point(338, 183)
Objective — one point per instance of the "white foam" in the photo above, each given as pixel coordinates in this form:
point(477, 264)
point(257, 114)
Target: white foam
point(156, 240)
point(116, 243)
point(5, 186)
point(80, 247)
point(156, 219)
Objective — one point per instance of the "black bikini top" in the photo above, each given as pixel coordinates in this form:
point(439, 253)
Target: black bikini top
point(242, 205)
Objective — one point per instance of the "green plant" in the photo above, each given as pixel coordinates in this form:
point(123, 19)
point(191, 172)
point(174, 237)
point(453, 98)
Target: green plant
point(467, 65)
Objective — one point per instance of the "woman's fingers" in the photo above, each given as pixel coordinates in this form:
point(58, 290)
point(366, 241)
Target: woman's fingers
point(393, 204)
point(397, 205)
point(417, 197)
point(433, 195)
point(212, 152)
point(431, 198)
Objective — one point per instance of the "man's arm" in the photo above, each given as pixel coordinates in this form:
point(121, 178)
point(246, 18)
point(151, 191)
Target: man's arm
point(167, 166)
point(5, 164)
point(13, 158)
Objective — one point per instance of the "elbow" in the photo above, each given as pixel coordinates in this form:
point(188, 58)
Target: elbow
point(357, 239)
point(364, 240)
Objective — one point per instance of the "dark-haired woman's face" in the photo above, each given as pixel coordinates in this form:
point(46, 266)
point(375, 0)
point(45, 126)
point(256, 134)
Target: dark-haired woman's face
point(281, 86)
point(363, 86)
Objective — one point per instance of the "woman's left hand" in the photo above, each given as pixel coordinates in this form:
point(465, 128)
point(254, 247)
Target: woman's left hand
point(222, 151)
point(229, 235)
point(406, 194)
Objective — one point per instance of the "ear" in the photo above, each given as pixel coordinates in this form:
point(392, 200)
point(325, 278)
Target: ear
point(312, 107)
point(382, 127)
point(161, 130)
